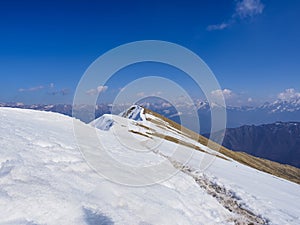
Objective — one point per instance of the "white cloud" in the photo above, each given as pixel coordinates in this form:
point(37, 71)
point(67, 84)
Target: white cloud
point(232, 98)
point(227, 93)
point(166, 105)
point(157, 93)
point(141, 94)
point(243, 9)
point(289, 94)
point(101, 88)
point(51, 85)
point(37, 88)
point(248, 8)
point(91, 92)
point(97, 90)
point(221, 26)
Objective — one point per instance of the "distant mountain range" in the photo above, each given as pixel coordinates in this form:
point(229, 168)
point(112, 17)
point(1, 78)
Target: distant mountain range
point(278, 141)
point(278, 110)
point(65, 109)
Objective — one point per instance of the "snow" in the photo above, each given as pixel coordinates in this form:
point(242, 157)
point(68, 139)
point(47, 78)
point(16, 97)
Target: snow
point(135, 112)
point(105, 122)
point(273, 198)
point(45, 179)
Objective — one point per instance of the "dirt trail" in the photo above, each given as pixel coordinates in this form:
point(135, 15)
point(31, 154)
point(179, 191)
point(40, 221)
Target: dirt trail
point(226, 198)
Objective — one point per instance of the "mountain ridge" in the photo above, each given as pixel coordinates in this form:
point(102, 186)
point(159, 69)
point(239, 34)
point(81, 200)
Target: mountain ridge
point(285, 171)
point(102, 109)
point(279, 141)
point(139, 113)
point(279, 110)
point(41, 166)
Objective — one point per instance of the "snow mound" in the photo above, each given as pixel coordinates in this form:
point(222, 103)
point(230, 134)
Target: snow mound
point(104, 122)
point(44, 178)
point(51, 183)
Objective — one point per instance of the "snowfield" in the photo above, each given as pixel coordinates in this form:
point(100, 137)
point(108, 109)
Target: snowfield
point(46, 179)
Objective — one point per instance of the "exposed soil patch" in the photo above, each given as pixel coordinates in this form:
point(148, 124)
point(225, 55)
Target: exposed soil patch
point(226, 198)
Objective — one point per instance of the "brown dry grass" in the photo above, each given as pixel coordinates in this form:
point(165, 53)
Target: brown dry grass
point(184, 143)
point(136, 132)
point(284, 171)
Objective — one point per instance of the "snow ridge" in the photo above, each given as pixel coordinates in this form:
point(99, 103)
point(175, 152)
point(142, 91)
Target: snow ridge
point(104, 122)
point(44, 178)
point(135, 112)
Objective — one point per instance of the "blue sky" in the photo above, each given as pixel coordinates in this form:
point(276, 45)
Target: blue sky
point(252, 46)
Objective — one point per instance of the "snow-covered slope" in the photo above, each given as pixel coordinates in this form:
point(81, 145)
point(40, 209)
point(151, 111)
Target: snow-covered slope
point(44, 178)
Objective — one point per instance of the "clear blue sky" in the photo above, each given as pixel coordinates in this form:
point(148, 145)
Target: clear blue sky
point(252, 46)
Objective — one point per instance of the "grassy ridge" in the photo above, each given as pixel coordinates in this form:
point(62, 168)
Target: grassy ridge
point(280, 170)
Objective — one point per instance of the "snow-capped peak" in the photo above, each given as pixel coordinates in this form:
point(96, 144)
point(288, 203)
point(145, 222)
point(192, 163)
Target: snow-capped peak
point(282, 105)
point(135, 112)
point(105, 122)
